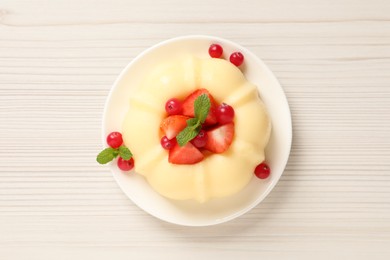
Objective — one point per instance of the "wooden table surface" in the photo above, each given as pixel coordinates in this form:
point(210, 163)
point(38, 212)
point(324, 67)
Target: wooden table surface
point(58, 60)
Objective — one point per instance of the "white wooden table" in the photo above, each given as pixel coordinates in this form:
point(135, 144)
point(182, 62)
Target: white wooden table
point(58, 60)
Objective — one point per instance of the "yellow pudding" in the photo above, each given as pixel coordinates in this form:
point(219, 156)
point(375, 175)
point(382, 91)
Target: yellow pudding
point(218, 175)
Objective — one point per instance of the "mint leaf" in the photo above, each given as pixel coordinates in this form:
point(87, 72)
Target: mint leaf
point(107, 155)
point(202, 106)
point(125, 153)
point(187, 134)
point(192, 122)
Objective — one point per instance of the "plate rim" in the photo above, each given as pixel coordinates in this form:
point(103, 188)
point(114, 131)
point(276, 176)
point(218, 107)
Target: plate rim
point(259, 61)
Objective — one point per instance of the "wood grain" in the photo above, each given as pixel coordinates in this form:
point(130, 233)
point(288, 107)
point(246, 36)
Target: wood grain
point(58, 60)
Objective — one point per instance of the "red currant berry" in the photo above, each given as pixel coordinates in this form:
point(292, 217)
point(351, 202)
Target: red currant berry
point(114, 139)
point(237, 58)
point(215, 51)
point(166, 143)
point(125, 165)
point(225, 114)
point(200, 140)
point(262, 171)
point(173, 106)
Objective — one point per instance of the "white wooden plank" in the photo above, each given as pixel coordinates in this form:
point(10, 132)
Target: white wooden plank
point(58, 60)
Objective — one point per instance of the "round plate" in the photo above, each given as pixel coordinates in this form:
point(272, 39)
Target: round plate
point(192, 213)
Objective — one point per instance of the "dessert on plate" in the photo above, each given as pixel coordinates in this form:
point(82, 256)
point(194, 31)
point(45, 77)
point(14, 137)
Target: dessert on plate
point(197, 129)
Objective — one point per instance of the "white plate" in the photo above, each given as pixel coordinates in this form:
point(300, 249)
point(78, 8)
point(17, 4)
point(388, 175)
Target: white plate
point(191, 213)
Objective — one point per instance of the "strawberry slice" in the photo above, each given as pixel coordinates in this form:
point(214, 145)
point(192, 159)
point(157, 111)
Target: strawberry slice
point(188, 106)
point(172, 125)
point(220, 138)
point(187, 154)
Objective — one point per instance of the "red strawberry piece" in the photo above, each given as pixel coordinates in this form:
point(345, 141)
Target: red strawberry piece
point(187, 154)
point(172, 125)
point(188, 106)
point(220, 138)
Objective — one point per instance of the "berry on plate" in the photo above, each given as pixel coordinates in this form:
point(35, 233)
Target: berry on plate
point(187, 154)
point(220, 138)
point(125, 165)
point(215, 51)
point(262, 171)
point(188, 106)
point(173, 125)
point(114, 139)
point(236, 58)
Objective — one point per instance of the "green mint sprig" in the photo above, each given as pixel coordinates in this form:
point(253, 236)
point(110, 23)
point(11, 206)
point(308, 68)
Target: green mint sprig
point(109, 154)
point(202, 106)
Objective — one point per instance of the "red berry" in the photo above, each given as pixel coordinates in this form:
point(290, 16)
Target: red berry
point(215, 51)
point(173, 106)
point(262, 171)
point(166, 143)
point(125, 165)
point(200, 140)
point(114, 139)
point(237, 58)
point(225, 114)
